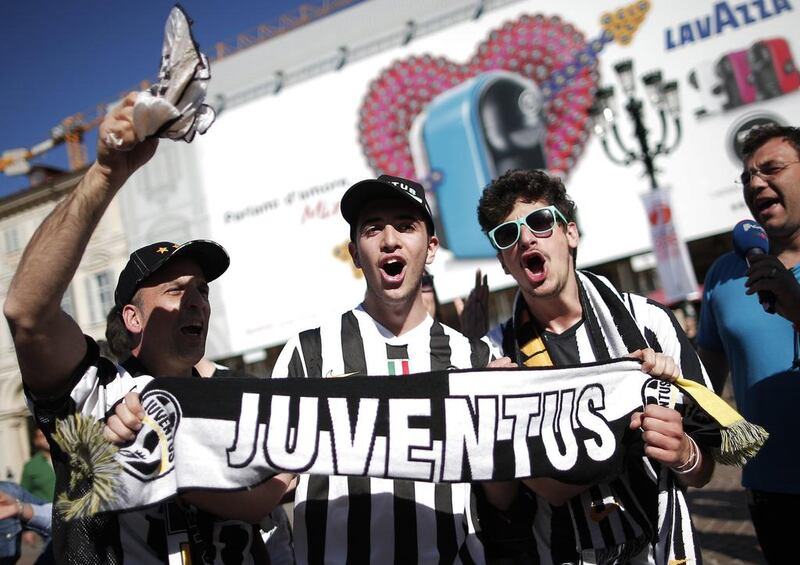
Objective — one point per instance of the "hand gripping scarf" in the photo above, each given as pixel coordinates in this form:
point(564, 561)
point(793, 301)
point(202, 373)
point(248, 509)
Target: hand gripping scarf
point(652, 508)
point(732, 439)
point(459, 426)
point(173, 108)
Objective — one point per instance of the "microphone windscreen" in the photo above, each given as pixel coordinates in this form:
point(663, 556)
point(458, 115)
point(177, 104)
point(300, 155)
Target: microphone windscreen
point(748, 235)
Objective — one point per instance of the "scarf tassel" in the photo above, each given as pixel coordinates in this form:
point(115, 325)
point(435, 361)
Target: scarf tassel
point(740, 440)
point(93, 467)
point(740, 443)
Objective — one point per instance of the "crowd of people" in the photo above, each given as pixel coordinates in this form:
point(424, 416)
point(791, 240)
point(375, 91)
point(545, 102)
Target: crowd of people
point(562, 317)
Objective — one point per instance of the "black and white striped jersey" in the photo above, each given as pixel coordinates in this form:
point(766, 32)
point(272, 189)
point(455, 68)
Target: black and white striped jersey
point(152, 536)
point(641, 515)
point(373, 520)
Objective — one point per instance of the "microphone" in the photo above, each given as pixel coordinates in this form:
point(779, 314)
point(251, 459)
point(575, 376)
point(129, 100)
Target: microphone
point(749, 240)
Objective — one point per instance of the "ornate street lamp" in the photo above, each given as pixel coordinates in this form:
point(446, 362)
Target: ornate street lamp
point(673, 263)
point(664, 99)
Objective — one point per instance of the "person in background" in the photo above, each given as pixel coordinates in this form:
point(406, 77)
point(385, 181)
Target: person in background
point(473, 313)
point(760, 349)
point(429, 297)
point(38, 476)
point(21, 512)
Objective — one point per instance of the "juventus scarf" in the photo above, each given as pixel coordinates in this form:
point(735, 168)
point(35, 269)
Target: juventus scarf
point(644, 509)
point(613, 333)
point(570, 424)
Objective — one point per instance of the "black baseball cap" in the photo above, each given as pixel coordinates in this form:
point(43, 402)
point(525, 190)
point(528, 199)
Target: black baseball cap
point(210, 256)
point(385, 186)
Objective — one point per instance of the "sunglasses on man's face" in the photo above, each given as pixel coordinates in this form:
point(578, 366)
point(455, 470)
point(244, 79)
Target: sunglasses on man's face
point(541, 222)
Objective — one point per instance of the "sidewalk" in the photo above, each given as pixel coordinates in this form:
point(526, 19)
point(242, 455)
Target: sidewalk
point(720, 515)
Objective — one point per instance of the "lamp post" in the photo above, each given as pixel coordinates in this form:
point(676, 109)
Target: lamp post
point(673, 263)
point(665, 101)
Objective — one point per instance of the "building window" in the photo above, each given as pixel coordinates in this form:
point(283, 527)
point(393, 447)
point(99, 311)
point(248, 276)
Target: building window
point(11, 237)
point(100, 294)
point(4, 337)
point(68, 303)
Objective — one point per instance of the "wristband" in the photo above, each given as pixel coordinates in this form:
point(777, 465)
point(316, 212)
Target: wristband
point(693, 461)
point(20, 509)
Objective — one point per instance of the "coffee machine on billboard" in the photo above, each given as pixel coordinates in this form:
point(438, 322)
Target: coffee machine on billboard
point(764, 70)
point(468, 136)
point(734, 70)
point(773, 68)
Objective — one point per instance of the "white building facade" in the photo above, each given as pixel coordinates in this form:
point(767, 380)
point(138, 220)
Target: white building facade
point(88, 299)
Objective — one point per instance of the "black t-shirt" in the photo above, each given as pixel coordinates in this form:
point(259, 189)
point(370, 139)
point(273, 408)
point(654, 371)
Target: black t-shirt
point(563, 347)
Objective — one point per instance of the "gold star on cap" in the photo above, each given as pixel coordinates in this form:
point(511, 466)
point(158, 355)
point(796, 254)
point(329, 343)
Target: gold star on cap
point(161, 250)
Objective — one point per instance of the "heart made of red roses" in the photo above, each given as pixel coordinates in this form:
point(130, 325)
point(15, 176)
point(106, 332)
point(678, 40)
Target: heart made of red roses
point(534, 47)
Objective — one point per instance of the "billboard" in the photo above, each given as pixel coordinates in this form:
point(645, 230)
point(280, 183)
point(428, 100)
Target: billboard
point(462, 105)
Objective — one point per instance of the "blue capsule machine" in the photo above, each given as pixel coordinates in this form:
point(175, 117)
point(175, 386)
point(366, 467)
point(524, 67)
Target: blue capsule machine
point(468, 136)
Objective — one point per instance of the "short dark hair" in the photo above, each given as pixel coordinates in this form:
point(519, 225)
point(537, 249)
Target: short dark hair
point(119, 341)
point(760, 135)
point(500, 196)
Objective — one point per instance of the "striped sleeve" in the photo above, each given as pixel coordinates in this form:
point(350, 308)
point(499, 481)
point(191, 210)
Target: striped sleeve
point(289, 363)
point(664, 333)
point(482, 352)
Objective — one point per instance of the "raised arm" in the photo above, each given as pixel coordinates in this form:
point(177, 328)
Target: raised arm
point(49, 344)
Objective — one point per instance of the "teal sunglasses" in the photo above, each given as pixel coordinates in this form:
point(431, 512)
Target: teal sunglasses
point(541, 221)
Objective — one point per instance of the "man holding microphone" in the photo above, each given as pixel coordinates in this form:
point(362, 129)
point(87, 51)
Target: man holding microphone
point(760, 349)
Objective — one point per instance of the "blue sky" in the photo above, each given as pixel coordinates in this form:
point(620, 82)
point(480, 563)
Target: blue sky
point(62, 57)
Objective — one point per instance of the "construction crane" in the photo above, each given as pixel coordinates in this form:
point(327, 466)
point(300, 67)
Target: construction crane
point(69, 132)
point(72, 129)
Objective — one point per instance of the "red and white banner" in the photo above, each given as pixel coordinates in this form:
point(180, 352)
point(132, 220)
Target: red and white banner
point(673, 263)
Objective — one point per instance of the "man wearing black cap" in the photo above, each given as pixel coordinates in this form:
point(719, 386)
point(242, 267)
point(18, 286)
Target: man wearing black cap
point(369, 520)
point(162, 297)
point(169, 347)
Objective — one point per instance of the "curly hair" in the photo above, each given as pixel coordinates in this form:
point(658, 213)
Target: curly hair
point(500, 196)
point(758, 136)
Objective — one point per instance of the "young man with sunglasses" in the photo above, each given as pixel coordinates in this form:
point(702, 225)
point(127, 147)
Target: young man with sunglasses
point(372, 520)
point(564, 317)
point(759, 348)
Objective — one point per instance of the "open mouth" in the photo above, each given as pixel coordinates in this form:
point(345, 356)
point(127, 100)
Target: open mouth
point(393, 267)
point(192, 329)
point(764, 203)
point(535, 264)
